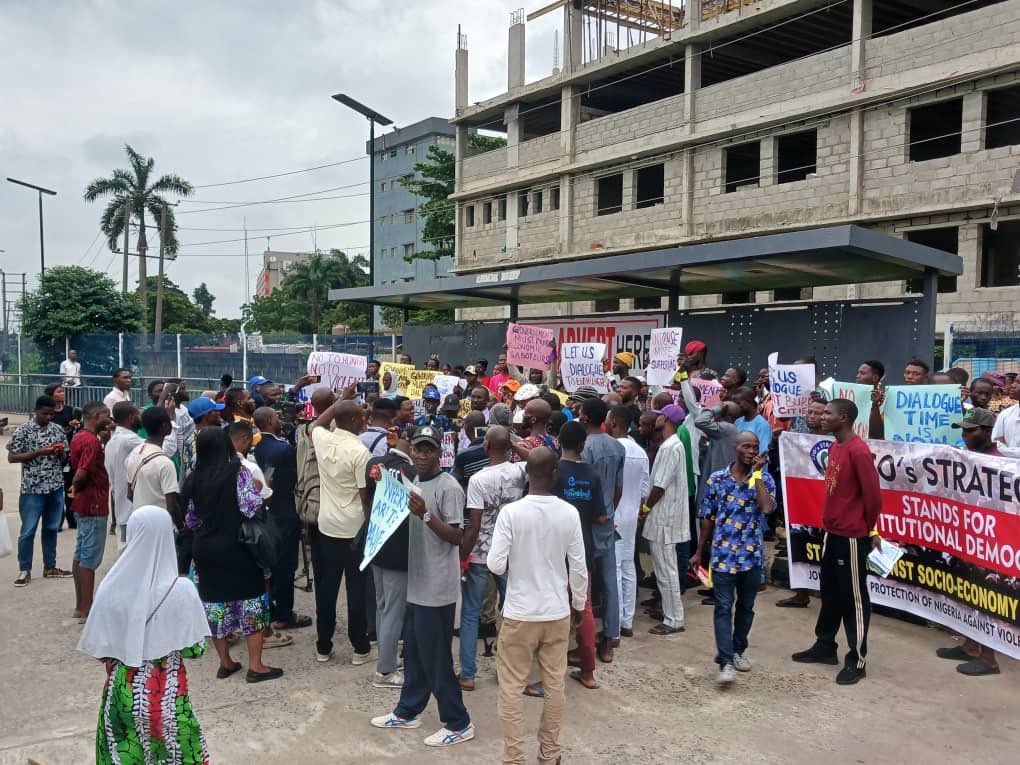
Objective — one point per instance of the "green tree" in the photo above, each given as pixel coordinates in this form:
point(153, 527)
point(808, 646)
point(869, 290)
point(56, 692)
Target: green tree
point(179, 313)
point(312, 279)
point(137, 190)
point(204, 298)
point(72, 300)
point(394, 317)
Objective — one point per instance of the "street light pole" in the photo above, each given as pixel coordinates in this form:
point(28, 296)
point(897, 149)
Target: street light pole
point(373, 117)
point(42, 247)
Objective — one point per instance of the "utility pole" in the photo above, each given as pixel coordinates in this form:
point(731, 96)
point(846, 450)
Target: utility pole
point(3, 278)
point(21, 319)
point(159, 285)
point(143, 277)
point(247, 284)
point(127, 227)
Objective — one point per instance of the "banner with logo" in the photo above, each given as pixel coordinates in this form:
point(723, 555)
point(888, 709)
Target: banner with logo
point(662, 355)
point(923, 413)
point(955, 513)
point(529, 346)
point(390, 507)
point(581, 364)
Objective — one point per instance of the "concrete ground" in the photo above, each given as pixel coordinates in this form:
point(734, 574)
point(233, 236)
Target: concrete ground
point(658, 702)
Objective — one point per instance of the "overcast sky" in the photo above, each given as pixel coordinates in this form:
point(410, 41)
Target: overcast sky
point(221, 91)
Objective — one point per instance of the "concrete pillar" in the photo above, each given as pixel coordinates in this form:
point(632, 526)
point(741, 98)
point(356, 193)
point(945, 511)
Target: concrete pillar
point(692, 16)
point(972, 138)
point(461, 77)
point(688, 165)
point(512, 222)
point(767, 165)
point(860, 33)
point(856, 168)
point(458, 235)
point(629, 190)
point(515, 57)
point(566, 215)
point(692, 81)
point(461, 155)
point(573, 35)
point(512, 120)
point(570, 112)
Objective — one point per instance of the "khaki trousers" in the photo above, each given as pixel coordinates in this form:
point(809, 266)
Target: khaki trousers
point(519, 643)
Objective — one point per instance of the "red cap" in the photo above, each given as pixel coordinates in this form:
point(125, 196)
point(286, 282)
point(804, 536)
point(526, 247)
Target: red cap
point(694, 346)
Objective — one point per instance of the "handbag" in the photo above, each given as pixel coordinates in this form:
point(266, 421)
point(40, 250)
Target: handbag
point(6, 545)
point(260, 537)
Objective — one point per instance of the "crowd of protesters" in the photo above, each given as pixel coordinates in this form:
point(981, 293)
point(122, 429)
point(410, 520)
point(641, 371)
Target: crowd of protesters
point(540, 515)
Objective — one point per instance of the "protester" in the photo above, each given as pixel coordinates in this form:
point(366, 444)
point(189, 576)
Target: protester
point(630, 391)
point(389, 570)
point(217, 496)
point(731, 380)
point(536, 419)
point(40, 447)
point(433, 417)
point(537, 544)
point(307, 489)
point(70, 370)
point(488, 491)
point(255, 386)
point(717, 424)
point(667, 521)
point(151, 473)
point(472, 456)
point(852, 504)
point(1006, 432)
point(433, 583)
point(916, 372)
point(981, 392)
point(380, 420)
point(749, 419)
point(121, 390)
point(126, 421)
point(607, 456)
point(343, 508)
point(145, 622)
point(278, 460)
point(91, 488)
point(636, 485)
point(733, 512)
point(619, 367)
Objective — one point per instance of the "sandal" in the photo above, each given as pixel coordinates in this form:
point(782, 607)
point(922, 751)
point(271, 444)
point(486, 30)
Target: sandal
point(577, 676)
point(792, 602)
point(297, 621)
point(466, 685)
point(277, 640)
point(534, 690)
point(223, 673)
point(956, 653)
point(662, 629)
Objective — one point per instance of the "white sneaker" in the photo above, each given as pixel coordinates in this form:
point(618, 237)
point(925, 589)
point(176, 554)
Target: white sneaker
point(364, 658)
point(322, 658)
point(392, 721)
point(726, 675)
point(24, 577)
point(392, 680)
point(447, 737)
point(741, 663)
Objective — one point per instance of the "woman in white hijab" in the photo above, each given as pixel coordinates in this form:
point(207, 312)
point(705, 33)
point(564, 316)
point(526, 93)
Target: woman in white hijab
point(144, 622)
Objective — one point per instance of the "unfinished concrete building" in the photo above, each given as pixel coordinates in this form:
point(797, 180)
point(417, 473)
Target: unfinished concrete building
point(678, 123)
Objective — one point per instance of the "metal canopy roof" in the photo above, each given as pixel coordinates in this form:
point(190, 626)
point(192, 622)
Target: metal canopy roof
point(810, 258)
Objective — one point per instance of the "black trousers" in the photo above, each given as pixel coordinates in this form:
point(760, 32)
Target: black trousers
point(333, 560)
point(844, 590)
point(282, 581)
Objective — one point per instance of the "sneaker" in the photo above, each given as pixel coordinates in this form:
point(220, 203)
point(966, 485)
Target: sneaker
point(814, 656)
point(322, 658)
point(364, 658)
point(447, 737)
point(392, 721)
point(726, 675)
point(56, 573)
point(392, 680)
point(24, 577)
point(977, 668)
point(741, 663)
point(850, 675)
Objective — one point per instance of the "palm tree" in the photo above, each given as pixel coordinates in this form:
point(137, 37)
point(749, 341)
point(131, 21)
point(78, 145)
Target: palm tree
point(133, 189)
point(312, 279)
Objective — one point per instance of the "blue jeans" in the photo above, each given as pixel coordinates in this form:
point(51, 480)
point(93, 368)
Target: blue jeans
point(604, 565)
point(476, 582)
point(32, 508)
point(731, 629)
point(428, 666)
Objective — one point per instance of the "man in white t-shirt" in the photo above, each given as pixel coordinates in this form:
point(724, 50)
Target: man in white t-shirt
point(152, 477)
point(121, 390)
point(537, 542)
point(124, 438)
point(1006, 432)
point(70, 370)
point(499, 484)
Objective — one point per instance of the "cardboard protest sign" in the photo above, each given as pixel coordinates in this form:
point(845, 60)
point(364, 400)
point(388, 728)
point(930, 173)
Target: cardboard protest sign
point(529, 346)
point(401, 374)
point(417, 379)
point(389, 509)
point(662, 355)
point(449, 451)
point(955, 514)
point(581, 364)
point(711, 390)
point(923, 413)
point(448, 384)
point(791, 386)
point(337, 370)
point(861, 396)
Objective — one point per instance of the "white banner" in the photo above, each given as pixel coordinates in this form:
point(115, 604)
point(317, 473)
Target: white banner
point(337, 370)
point(581, 364)
point(665, 347)
point(791, 386)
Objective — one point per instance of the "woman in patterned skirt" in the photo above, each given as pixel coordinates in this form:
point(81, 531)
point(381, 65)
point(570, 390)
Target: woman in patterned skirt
point(144, 622)
point(219, 494)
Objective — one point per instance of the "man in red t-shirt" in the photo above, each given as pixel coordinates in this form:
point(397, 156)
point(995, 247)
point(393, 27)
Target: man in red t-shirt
point(853, 500)
point(90, 489)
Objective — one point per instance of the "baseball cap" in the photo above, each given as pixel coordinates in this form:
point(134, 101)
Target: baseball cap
point(470, 370)
point(451, 404)
point(976, 418)
point(694, 346)
point(202, 405)
point(583, 393)
point(511, 385)
point(426, 435)
point(258, 380)
point(527, 392)
point(674, 413)
point(432, 394)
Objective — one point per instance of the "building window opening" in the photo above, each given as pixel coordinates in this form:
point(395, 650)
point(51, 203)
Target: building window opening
point(934, 130)
point(651, 186)
point(796, 156)
point(1002, 117)
point(609, 194)
point(1000, 255)
point(554, 198)
point(945, 239)
point(742, 166)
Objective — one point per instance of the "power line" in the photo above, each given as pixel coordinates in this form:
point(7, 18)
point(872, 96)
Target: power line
point(280, 175)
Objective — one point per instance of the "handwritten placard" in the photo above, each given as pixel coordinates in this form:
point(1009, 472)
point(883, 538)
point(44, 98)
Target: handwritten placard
point(448, 384)
point(791, 386)
point(529, 346)
point(336, 370)
point(417, 379)
point(711, 391)
point(662, 355)
point(389, 509)
point(581, 364)
point(861, 396)
point(400, 374)
point(449, 451)
point(923, 413)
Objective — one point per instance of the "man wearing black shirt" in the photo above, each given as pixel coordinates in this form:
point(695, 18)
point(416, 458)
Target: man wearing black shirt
point(473, 458)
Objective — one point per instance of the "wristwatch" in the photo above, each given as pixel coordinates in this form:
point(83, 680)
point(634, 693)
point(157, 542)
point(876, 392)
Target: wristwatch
point(426, 517)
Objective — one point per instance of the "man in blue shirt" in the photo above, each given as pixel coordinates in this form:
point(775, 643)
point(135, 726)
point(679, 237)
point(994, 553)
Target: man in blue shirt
point(750, 420)
point(433, 417)
point(733, 517)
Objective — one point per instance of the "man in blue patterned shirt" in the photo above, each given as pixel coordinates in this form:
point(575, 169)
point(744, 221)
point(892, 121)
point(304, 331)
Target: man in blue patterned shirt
point(733, 511)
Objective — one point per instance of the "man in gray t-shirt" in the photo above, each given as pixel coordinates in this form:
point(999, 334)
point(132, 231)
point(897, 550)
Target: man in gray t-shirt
point(433, 582)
